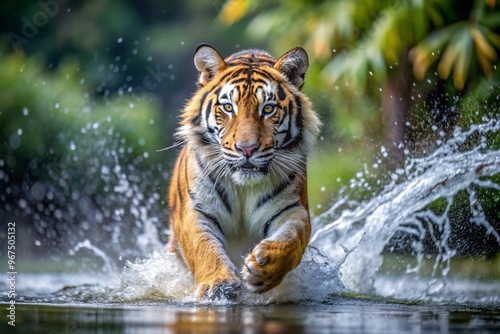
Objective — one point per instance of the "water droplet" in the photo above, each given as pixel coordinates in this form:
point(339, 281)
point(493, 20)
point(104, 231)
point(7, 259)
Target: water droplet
point(105, 170)
point(72, 146)
point(25, 111)
point(14, 141)
point(22, 202)
point(120, 40)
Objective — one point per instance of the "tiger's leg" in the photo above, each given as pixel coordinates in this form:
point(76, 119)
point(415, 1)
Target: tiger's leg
point(203, 250)
point(197, 239)
point(275, 256)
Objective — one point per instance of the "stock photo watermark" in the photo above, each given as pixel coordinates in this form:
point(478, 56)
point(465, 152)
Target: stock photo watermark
point(32, 25)
point(11, 273)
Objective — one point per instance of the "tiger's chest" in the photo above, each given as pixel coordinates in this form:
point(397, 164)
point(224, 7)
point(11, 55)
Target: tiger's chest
point(240, 211)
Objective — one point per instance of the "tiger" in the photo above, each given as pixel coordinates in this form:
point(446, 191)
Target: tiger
point(238, 204)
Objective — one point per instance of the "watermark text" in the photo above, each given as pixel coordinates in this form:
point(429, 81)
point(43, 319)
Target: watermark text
point(11, 273)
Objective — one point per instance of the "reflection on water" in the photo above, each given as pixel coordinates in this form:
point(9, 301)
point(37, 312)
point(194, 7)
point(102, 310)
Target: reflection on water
point(341, 316)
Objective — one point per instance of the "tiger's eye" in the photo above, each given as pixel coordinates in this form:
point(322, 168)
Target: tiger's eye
point(228, 107)
point(268, 108)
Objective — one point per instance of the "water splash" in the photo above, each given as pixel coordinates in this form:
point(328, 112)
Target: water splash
point(108, 265)
point(355, 238)
point(164, 276)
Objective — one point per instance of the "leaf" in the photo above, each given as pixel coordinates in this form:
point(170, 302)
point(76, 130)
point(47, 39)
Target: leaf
point(426, 52)
point(493, 38)
point(482, 45)
point(422, 59)
point(477, 10)
point(491, 21)
point(234, 10)
point(447, 60)
point(462, 64)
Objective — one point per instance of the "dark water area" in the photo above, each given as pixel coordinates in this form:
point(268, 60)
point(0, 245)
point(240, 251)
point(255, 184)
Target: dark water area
point(340, 315)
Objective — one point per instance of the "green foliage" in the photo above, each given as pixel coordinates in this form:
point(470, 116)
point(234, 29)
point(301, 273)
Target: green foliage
point(330, 168)
point(44, 112)
point(458, 46)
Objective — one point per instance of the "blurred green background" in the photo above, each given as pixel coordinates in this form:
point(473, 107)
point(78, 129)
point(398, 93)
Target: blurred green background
point(91, 90)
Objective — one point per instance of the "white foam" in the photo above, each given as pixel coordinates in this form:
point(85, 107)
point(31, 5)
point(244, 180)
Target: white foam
point(163, 276)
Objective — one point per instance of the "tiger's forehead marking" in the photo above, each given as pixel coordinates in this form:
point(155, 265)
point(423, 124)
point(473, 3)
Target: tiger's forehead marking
point(264, 91)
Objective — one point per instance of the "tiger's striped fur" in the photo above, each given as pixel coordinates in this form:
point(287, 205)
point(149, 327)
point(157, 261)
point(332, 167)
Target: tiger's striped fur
point(239, 185)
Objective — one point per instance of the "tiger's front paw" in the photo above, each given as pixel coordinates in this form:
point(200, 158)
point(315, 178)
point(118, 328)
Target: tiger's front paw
point(219, 289)
point(266, 266)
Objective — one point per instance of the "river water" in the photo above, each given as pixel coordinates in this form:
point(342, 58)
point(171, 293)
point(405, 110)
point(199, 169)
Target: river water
point(338, 288)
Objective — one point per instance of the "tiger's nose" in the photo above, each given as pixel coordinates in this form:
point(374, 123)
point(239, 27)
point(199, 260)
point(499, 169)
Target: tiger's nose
point(246, 149)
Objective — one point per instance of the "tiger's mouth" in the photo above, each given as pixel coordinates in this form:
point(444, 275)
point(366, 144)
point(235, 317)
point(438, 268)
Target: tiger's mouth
point(249, 168)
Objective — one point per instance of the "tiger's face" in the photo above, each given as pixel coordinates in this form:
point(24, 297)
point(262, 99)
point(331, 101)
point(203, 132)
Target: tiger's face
point(249, 120)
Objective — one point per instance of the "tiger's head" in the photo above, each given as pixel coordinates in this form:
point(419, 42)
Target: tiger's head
point(249, 119)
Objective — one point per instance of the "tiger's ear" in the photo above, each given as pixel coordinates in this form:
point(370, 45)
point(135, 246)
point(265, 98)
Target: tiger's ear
point(293, 65)
point(208, 62)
